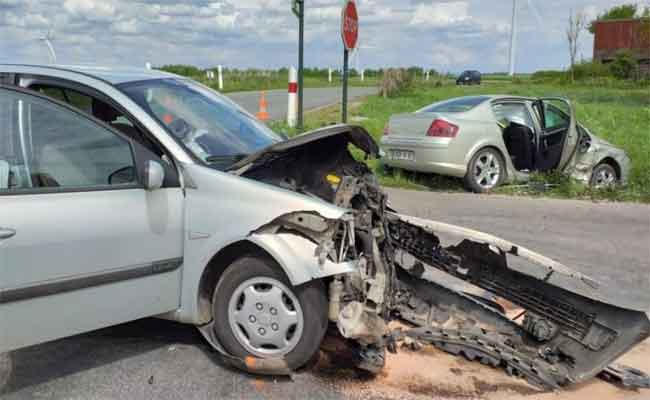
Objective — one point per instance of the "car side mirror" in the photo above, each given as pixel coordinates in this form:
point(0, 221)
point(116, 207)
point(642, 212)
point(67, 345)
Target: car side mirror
point(154, 175)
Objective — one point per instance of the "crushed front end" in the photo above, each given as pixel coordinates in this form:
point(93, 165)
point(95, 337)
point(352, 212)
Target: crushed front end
point(535, 318)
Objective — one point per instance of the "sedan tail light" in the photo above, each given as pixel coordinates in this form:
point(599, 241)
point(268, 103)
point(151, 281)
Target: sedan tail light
point(442, 128)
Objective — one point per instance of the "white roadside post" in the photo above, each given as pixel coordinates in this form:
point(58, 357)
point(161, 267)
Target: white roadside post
point(329, 75)
point(220, 73)
point(292, 107)
point(363, 71)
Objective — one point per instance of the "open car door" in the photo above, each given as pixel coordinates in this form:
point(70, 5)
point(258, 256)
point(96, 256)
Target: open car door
point(558, 138)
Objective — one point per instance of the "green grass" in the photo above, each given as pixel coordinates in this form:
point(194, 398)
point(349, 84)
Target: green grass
point(618, 112)
point(237, 83)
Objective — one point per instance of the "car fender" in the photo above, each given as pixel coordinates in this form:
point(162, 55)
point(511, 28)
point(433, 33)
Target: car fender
point(584, 163)
point(247, 212)
point(297, 257)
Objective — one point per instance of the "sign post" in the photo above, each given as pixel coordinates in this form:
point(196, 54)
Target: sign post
point(349, 34)
point(298, 8)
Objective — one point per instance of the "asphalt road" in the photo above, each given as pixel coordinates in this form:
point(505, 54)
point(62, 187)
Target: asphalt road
point(313, 98)
point(164, 360)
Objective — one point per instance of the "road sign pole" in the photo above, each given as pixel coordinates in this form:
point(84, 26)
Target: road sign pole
point(344, 102)
point(301, 33)
point(350, 35)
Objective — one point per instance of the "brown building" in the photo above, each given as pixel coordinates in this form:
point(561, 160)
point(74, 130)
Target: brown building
point(612, 36)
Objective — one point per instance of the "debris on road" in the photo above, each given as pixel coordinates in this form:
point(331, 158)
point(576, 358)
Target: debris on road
point(569, 331)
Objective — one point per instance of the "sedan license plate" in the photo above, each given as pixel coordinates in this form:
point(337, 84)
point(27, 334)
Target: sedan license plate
point(404, 155)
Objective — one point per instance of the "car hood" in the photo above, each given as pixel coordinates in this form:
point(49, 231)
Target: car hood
point(354, 134)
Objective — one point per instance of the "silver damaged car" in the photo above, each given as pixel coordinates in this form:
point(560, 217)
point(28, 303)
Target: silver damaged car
point(490, 140)
point(127, 194)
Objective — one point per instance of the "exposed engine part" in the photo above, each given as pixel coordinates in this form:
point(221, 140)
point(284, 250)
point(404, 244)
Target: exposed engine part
point(630, 378)
point(335, 292)
point(357, 322)
point(541, 328)
point(372, 359)
point(570, 332)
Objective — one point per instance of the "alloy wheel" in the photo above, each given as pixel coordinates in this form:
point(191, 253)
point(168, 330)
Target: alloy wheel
point(487, 170)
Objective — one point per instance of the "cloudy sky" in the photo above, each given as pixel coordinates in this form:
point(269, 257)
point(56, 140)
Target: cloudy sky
point(445, 35)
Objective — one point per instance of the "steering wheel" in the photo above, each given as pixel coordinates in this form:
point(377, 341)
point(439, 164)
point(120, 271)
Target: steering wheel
point(180, 128)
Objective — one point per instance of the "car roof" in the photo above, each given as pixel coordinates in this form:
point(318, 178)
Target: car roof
point(113, 74)
point(494, 97)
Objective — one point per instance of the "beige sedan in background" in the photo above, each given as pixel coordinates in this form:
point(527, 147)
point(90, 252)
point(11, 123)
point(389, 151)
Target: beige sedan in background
point(490, 140)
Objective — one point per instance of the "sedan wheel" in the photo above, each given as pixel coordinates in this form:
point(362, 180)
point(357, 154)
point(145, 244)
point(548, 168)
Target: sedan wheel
point(258, 313)
point(603, 176)
point(266, 317)
point(485, 171)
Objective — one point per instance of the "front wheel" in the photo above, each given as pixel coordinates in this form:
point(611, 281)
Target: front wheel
point(486, 171)
point(603, 176)
point(257, 312)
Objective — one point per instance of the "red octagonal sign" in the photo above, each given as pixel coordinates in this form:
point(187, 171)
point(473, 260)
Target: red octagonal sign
point(350, 25)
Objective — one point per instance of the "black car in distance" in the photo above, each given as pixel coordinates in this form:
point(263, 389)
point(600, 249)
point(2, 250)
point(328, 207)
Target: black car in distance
point(469, 78)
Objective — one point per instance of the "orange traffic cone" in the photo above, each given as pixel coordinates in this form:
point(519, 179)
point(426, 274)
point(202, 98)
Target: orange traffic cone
point(262, 114)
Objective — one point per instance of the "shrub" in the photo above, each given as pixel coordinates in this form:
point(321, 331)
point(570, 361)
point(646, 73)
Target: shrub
point(590, 70)
point(394, 82)
point(624, 65)
point(549, 76)
point(180, 69)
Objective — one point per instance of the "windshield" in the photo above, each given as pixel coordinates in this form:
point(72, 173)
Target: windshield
point(460, 104)
point(212, 127)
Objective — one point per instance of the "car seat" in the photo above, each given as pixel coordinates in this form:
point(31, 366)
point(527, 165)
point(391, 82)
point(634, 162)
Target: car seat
point(518, 141)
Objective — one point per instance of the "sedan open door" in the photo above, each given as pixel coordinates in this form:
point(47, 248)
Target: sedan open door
point(558, 138)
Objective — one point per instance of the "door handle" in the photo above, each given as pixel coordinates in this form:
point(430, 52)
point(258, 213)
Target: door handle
point(6, 233)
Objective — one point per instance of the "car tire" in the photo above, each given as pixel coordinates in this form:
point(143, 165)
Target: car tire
point(259, 280)
point(603, 176)
point(489, 159)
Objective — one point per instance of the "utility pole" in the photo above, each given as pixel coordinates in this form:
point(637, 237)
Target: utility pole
point(513, 38)
point(298, 8)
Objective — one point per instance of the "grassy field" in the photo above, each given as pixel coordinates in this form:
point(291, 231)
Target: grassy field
point(619, 113)
point(237, 82)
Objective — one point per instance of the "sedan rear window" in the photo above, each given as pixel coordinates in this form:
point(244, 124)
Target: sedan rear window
point(461, 104)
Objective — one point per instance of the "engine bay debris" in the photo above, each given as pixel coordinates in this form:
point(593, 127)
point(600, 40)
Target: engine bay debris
point(565, 330)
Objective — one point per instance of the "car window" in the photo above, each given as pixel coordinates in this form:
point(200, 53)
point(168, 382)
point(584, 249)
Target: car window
point(55, 93)
point(72, 97)
point(460, 104)
point(79, 100)
point(211, 126)
point(44, 145)
point(554, 117)
point(512, 112)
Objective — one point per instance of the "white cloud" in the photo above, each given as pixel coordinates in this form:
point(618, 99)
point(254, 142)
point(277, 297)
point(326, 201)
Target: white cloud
point(440, 14)
point(91, 9)
point(449, 56)
point(129, 26)
point(443, 34)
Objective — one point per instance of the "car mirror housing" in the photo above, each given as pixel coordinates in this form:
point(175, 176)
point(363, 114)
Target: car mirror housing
point(154, 175)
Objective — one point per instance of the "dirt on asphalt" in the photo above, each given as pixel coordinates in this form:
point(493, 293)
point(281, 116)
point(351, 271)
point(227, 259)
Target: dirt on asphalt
point(433, 374)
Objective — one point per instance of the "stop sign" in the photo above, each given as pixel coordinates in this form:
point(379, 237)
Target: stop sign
point(349, 25)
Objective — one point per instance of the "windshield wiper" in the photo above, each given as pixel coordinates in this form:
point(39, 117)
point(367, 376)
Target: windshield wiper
point(233, 158)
